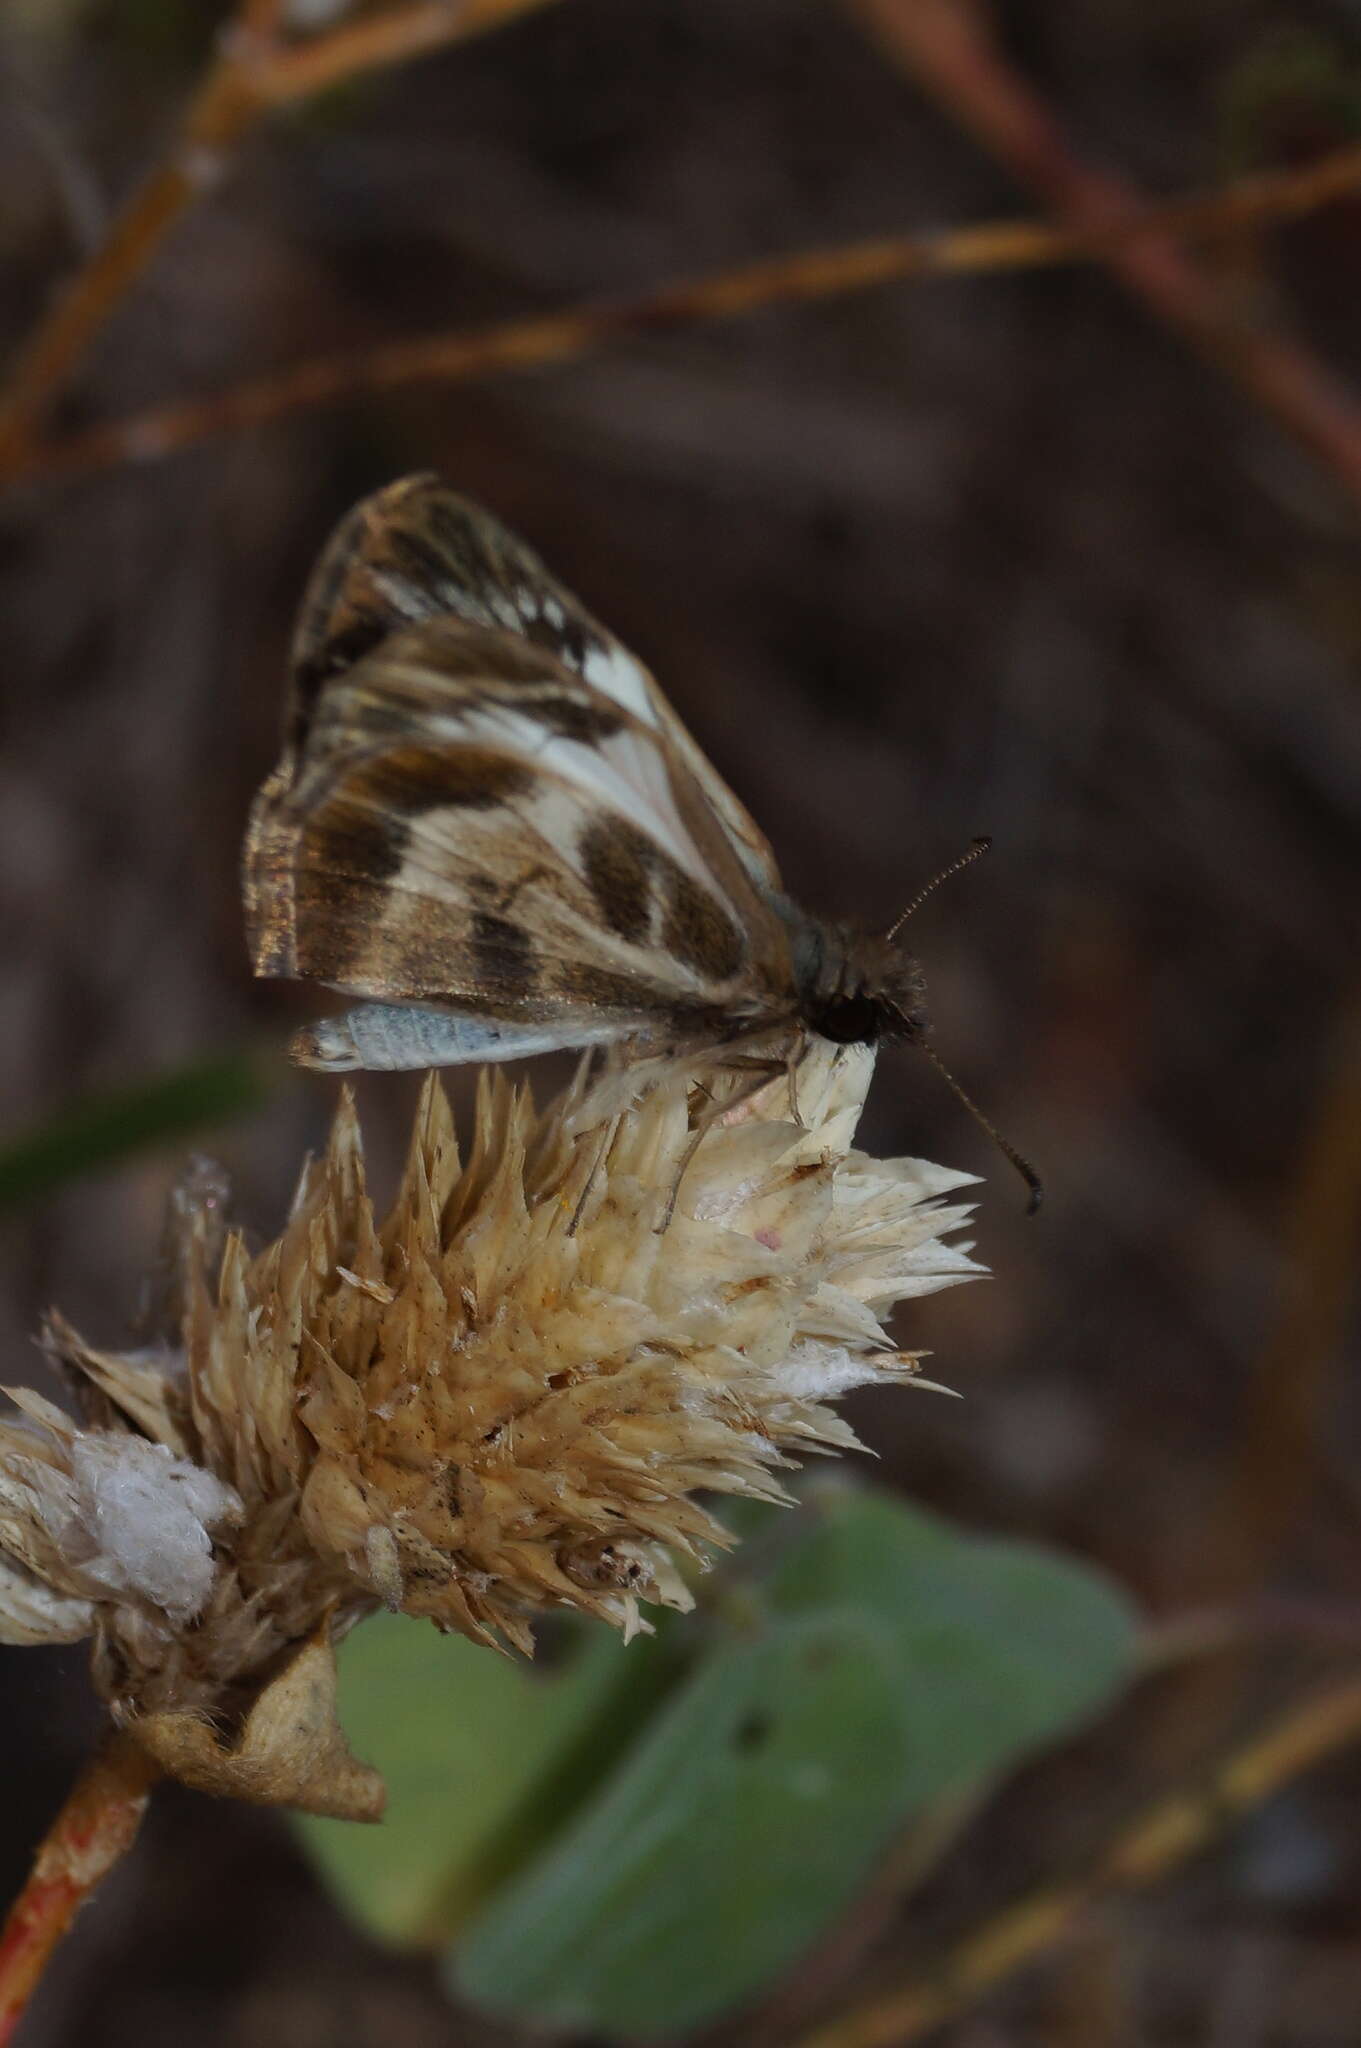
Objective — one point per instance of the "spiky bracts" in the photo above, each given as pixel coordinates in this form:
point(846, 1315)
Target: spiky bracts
point(503, 1398)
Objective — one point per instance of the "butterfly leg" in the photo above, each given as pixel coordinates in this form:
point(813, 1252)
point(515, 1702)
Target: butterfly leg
point(761, 1071)
point(768, 1067)
point(695, 1141)
point(609, 1130)
point(791, 1067)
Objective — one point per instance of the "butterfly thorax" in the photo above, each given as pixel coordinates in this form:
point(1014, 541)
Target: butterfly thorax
point(855, 988)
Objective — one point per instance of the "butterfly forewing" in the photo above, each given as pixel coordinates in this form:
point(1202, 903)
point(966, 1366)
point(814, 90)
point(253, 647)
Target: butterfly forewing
point(463, 820)
point(416, 551)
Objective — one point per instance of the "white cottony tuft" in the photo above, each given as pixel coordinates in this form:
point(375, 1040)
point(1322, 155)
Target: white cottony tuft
point(149, 1517)
point(824, 1372)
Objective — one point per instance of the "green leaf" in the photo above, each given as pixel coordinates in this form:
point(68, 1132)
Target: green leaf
point(100, 1129)
point(483, 1756)
point(691, 1880)
point(896, 1664)
point(640, 1840)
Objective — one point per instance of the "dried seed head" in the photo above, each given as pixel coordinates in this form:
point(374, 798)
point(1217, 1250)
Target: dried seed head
point(504, 1398)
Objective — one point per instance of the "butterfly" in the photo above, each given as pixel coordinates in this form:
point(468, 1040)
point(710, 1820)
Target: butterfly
point(490, 825)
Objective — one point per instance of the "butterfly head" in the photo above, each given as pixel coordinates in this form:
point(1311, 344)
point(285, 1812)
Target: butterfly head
point(857, 990)
point(862, 989)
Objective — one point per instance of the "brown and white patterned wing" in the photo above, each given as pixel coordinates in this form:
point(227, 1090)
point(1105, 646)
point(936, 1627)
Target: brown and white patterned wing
point(415, 551)
point(461, 821)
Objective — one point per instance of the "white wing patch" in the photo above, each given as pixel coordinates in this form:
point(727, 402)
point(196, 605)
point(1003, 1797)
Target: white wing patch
point(624, 770)
point(611, 669)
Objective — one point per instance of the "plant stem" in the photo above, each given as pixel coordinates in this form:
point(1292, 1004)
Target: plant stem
point(251, 75)
point(808, 274)
point(948, 47)
point(94, 1829)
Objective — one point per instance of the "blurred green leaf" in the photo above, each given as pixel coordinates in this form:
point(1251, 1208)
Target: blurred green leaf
point(896, 1664)
point(483, 1757)
point(744, 1817)
point(641, 1839)
point(100, 1129)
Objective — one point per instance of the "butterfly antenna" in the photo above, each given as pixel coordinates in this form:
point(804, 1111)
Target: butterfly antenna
point(1022, 1166)
point(977, 848)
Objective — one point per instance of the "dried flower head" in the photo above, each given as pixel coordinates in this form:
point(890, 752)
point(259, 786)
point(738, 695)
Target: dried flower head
point(504, 1398)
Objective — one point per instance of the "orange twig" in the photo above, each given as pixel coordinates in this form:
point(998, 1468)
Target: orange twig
point(95, 1827)
point(559, 337)
point(384, 39)
point(945, 46)
point(251, 74)
point(262, 18)
point(1167, 1835)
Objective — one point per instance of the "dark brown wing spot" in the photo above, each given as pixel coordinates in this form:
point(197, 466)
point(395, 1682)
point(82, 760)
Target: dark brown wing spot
point(616, 859)
point(346, 838)
point(466, 650)
point(503, 952)
point(492, 569)
point(361, 633)
point(362, 832)
point(572, 642)
point(412, 780)
point(624, 870)
point(450, 524)
point(423, 559)
point(698, 931)
point(577, 718)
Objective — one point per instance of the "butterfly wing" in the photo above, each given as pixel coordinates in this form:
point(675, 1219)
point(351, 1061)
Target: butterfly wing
point(461, 820)
point(416, 551)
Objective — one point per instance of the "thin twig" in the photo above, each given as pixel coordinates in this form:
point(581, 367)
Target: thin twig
point(1163, 1838)
point(945, 45)
point(95, 1828)
point(560, 337)
point(250, 75)
point(1302, 1623)
point(261, 18)
point(377, 42)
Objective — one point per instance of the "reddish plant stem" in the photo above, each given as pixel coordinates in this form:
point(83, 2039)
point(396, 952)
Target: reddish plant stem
point(808, 274)
point(946, 47)
point(95, 1828)
point(252, 74)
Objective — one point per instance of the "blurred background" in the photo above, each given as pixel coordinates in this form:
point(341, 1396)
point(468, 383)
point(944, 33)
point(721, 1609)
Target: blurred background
point(994, 554)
